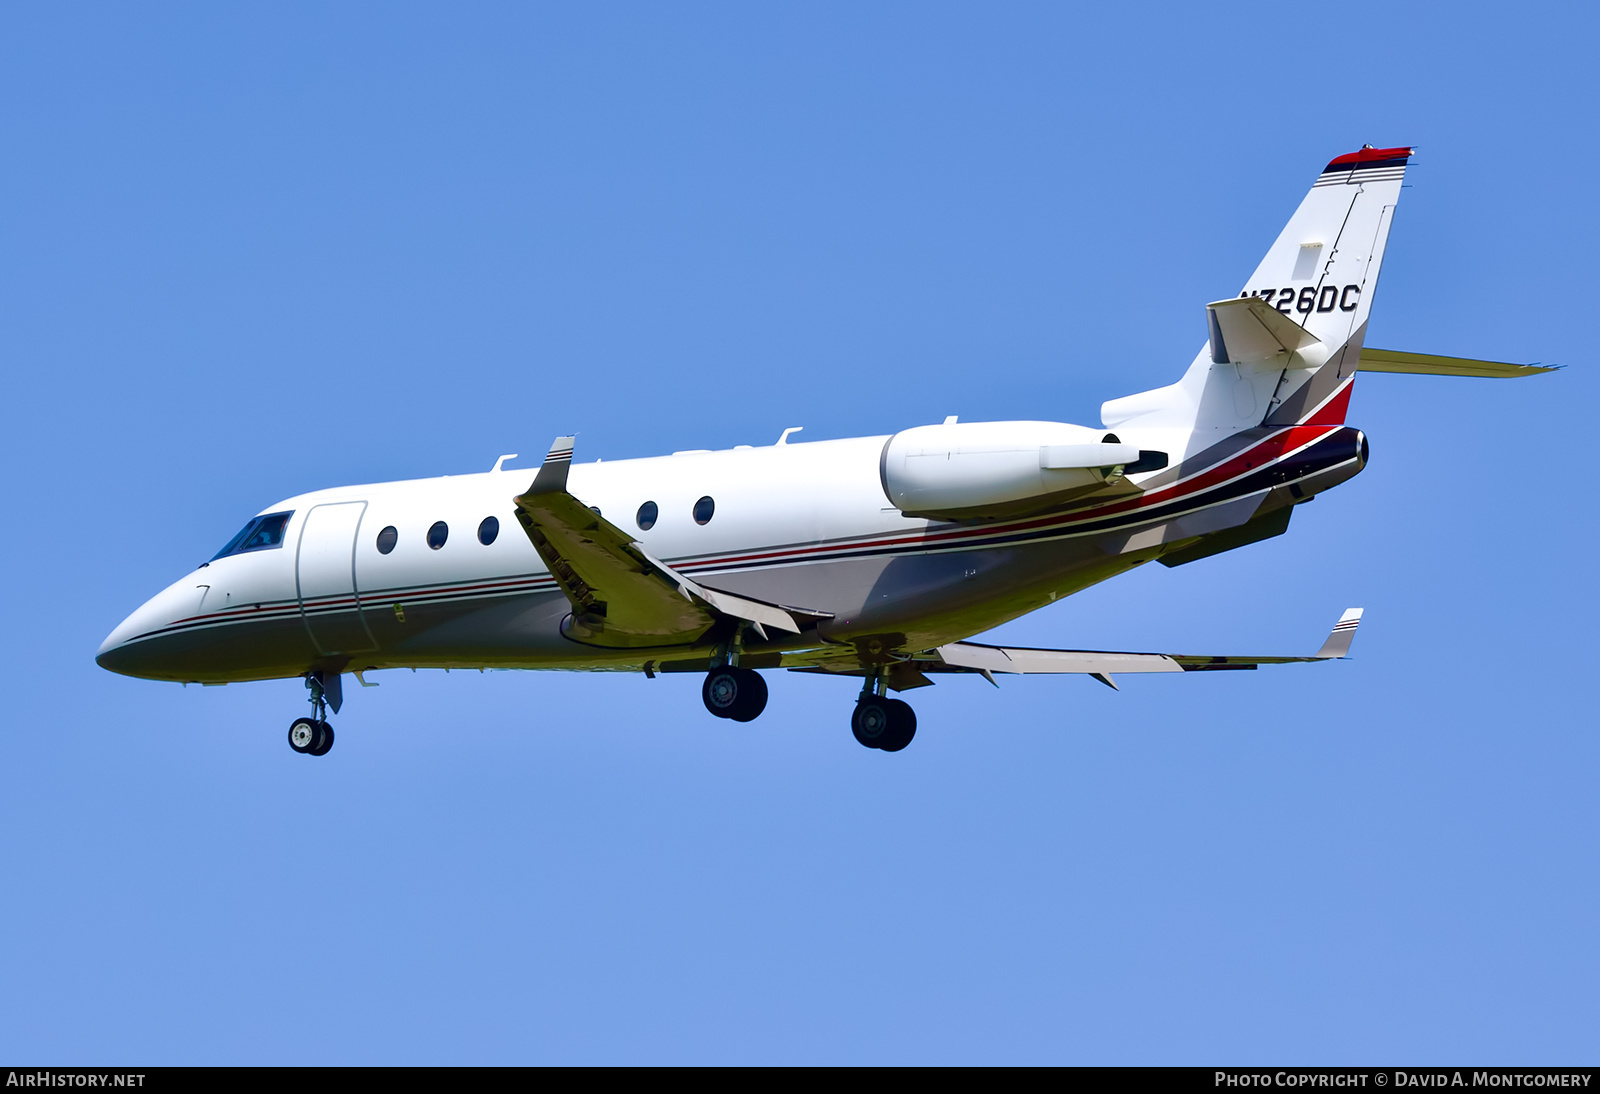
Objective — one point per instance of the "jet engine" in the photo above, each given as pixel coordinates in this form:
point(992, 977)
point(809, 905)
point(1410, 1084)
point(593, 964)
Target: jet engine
point(993, 470)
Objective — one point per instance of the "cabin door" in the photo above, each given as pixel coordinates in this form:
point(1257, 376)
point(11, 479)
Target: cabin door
point(325, 573)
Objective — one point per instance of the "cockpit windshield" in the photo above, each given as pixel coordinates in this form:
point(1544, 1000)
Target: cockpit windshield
point(260, 534)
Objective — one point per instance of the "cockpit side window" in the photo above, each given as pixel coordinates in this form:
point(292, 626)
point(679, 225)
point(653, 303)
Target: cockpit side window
point(260, 534)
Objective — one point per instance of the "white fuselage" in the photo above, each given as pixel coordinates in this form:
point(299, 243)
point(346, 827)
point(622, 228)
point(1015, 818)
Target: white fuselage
point(808, 526)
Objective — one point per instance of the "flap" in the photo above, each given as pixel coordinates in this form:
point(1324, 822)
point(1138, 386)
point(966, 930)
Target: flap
point(980, 658)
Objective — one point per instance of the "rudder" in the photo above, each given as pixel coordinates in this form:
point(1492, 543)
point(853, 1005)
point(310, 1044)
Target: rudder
point(1320, 275)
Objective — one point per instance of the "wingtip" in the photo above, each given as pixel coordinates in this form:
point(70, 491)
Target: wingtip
point(552, 475)
point(1339, 639)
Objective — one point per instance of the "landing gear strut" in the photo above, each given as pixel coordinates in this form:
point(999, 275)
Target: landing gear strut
point(739, 694)
point(313, 736)
point(880, 722)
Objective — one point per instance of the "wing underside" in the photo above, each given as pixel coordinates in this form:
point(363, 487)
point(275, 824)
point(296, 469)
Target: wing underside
point(1102, 665)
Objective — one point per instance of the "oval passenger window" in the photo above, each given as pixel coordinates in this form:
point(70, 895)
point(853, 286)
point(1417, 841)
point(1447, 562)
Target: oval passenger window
point(703, 510)
point(488, 530)
point(438, 534)
point(647, 516)
point(387, 539)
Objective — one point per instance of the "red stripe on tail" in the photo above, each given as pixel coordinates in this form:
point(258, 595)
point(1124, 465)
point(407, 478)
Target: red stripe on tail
point(1333, 411)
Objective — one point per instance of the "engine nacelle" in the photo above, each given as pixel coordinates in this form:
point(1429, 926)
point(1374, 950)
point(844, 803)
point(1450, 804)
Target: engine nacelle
point(997, 469)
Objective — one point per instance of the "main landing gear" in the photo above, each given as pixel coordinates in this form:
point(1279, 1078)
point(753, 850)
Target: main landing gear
point(880, 722)
point(313, 736)
point(739, 694)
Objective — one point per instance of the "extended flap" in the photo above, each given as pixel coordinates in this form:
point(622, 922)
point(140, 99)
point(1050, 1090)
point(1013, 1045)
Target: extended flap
point(972, 655)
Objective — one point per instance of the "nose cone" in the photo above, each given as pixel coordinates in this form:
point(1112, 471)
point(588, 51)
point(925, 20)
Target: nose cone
point(119, 651)
point(135, 647)
point(106, 656)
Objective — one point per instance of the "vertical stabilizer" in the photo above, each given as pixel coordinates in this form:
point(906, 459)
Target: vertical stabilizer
point(1319, 276)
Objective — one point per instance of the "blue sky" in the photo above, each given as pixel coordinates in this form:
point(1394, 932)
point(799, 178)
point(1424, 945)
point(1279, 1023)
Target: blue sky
point(258, 249)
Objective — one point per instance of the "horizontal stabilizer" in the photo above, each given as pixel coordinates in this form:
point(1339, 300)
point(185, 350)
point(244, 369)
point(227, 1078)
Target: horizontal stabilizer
point(1424, 364)
point(1249, 331)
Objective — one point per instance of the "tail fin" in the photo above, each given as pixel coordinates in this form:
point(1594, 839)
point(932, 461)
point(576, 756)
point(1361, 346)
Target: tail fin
point(1320, 275)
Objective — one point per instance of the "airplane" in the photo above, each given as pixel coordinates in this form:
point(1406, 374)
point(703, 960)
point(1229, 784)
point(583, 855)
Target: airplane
point(875, 558)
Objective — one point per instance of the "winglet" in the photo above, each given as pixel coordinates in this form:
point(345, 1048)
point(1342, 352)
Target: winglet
point(1338, 643)
point(552, 476)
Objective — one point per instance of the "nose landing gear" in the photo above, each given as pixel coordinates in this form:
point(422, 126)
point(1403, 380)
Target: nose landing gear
point(313, 736)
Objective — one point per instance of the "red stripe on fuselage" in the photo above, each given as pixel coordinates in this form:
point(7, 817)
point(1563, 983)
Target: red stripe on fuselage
point(1263, 452)
point(1266, 450)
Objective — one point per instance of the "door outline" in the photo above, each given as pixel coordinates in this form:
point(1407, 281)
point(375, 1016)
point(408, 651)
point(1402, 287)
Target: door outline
point(355, 590)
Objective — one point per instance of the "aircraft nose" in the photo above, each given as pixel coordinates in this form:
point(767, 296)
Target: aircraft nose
point(135, 647)
point(113, 656)
point(119, 652)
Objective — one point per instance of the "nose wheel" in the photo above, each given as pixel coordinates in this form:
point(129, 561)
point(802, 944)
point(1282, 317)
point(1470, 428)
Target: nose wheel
point(313, 736)
point(310, 736)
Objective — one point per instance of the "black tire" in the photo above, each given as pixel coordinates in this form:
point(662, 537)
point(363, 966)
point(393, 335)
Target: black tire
point(871, 721)
point(324, 739)
point(738, 694)
point(720, 692)
point(305, 739)
point(902, 725)
point(752, 696)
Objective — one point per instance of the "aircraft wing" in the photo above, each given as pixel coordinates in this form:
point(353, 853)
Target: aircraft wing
point(622, 595)
point(1388, 360)
point(1102, 664)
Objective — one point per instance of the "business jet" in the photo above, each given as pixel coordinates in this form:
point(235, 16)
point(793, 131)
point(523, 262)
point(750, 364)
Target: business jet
point(875, 558)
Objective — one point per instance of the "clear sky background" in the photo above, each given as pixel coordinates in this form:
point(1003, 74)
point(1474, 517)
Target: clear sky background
point(251, 250)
